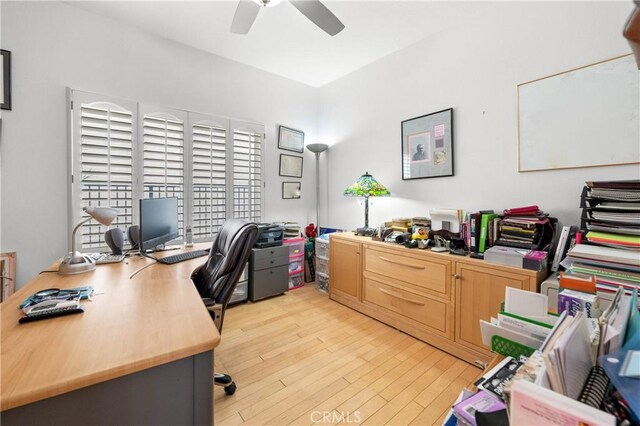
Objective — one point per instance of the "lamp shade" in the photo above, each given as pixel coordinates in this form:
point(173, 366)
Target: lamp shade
point(104, 215)
point(317, 148)
point(367, 186)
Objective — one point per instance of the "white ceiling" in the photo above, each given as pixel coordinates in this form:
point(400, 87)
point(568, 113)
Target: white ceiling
point(282, 41)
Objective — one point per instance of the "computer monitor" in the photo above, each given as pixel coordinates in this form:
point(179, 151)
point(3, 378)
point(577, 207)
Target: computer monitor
point(158, 222)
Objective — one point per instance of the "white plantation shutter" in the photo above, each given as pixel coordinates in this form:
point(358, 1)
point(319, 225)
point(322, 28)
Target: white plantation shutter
point(163, 156)
point(103, 163)
point(247, 170)
point(122, 151)
point(209, 174)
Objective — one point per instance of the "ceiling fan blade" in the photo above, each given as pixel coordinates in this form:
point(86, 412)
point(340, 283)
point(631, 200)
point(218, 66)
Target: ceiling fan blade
point(245, 16)
point(319, 15)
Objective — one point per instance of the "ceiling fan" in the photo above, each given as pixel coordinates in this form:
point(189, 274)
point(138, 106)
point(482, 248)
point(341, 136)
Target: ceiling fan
point(314, 10)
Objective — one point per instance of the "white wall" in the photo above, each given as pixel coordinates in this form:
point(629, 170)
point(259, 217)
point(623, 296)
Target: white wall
point(474, 68)
point(54, 46)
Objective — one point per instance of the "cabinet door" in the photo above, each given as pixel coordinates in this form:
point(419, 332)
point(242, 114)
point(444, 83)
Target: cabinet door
point(344, 269)
point(479, 293)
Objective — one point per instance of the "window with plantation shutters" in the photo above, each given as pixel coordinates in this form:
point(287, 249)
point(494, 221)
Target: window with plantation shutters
point(209, 175)
point(103, 169)
point(122, 151)
point(163, 162)
point(247, 170)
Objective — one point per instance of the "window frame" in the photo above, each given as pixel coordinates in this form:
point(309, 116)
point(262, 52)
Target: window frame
point(77, 98)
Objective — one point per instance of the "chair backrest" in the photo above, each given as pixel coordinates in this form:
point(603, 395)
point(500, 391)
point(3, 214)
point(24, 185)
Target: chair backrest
point(218, 276)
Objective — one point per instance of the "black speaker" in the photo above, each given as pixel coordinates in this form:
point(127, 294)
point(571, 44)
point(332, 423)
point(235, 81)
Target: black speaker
point(115, 240)
point(133, 234)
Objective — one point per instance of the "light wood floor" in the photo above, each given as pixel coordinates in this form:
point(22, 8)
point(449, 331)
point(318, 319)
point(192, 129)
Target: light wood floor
point(302, 359)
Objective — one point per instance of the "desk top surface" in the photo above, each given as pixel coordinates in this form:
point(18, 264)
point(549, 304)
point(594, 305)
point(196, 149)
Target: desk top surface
point(132, 324)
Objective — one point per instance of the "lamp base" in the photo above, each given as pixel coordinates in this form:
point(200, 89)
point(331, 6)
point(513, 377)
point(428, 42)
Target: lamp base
point(76, 263)
point(365, 231)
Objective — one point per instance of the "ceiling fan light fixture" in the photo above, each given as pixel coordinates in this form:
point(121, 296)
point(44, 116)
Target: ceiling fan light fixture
point(267, 3)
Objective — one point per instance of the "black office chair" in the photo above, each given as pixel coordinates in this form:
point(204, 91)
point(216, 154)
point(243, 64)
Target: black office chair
point(218, 276)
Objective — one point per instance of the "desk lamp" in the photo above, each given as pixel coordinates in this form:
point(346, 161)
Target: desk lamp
point(74, 262)
point(317, 149)
point(366, 187)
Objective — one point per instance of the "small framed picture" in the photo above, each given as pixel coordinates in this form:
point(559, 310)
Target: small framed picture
point(5, 78)
point(427, 146)
point(290, 139)
point(291, 190)
point(290, 165)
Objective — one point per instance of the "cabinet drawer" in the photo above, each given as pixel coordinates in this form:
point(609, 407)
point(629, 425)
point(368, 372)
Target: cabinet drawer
point(271, 252)
point(432, 275)
point(270, 262)
point(432, 313)
point(268, 282)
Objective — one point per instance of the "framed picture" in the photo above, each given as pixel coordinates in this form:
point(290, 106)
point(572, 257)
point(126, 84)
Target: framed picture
point(427, 146)
point(290, 165)
point(291, 190)
point(5, 74)
point(290, 139)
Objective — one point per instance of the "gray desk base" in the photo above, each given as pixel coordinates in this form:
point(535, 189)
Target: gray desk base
point(177, 393)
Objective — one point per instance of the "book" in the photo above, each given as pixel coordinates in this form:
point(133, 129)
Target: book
point(484, 227)
point(497, 378)
point(480, 402)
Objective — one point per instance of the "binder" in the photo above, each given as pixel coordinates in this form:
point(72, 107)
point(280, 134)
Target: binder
point(484, 226)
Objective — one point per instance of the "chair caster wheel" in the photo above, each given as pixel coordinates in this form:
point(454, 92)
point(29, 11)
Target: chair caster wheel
point(230, 389)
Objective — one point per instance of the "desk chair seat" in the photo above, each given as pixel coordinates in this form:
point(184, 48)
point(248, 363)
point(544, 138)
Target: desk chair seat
point(217, 278)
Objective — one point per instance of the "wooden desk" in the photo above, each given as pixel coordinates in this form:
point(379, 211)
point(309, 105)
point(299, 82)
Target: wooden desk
point(142, 352)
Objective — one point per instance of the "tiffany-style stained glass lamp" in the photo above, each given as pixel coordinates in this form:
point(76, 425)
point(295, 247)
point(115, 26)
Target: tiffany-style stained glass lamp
point(366, 186)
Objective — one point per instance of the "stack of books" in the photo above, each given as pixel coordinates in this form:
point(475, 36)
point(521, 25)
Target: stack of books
point(611, 267)
point(526, 228)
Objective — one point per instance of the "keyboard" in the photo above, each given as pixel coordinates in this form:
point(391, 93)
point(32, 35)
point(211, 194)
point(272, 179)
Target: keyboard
point(107, 258)
point(187, 255)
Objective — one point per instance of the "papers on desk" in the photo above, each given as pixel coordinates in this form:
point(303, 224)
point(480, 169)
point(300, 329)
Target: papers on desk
point(567, 355)
point(448, 219)
point(524, 319)
point(534, 405)
point(614, 322)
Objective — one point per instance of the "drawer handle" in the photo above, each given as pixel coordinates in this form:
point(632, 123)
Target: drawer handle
point(455, 276)
point(410, 265)
point(415, 302)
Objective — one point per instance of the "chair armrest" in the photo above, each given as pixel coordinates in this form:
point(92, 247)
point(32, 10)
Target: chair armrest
point(208, 301)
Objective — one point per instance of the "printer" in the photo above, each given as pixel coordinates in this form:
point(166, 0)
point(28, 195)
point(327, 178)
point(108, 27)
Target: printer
point(269, 235)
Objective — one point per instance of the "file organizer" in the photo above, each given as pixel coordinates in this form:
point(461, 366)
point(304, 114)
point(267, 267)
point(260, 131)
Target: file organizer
point(507, 347)
point(296, 261)
point(322, 264)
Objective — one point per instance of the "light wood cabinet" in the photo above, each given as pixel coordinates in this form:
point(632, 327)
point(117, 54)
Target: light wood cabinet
point(344, 269)
point(479, 293)
point(436, 297)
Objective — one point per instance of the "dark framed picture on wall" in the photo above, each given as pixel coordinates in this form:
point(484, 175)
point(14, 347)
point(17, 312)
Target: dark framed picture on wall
point(291, 190)
point(5, 70)
point(290, 165)
point(290, 139)
point(427, 146)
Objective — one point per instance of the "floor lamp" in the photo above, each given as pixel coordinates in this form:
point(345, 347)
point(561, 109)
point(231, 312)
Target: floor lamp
point(317, 149)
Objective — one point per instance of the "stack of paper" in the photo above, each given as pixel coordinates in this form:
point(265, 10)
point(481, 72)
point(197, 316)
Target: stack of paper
point(567, 355)
point(534, 405)
point(524, 319)
point(611, 267)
